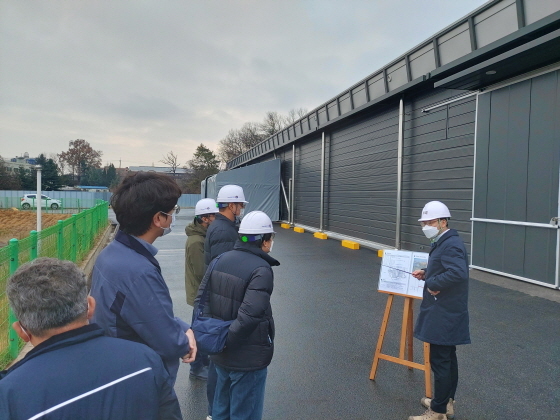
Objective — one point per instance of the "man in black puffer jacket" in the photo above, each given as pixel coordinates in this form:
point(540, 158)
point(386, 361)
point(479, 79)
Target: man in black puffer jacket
point(240, 287)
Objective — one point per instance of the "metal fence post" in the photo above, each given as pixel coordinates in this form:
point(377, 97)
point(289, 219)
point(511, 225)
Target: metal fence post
point(13, 338)
point(60, 240)
point(74, 239)
point(95, 222)
point(33, 248)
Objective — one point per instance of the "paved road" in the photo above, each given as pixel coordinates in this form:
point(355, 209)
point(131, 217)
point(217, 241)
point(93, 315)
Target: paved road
point(328, 313)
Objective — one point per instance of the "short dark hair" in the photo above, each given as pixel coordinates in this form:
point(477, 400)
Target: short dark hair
point(47, 293)
point(257, 242)
point(198, 217)
point(140, 196)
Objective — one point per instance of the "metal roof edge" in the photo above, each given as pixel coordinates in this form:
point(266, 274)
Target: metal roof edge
point(412, 85)
point(551, 36)
point(504, 42)
point(512, 40)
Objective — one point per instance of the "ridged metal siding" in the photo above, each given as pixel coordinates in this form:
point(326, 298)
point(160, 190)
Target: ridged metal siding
point(308, 182)
point(438, 162)
point(517, 174)
point(362, 177)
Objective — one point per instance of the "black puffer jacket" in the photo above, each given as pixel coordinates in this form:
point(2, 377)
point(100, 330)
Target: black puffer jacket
point(240, 288)
point(220, 237)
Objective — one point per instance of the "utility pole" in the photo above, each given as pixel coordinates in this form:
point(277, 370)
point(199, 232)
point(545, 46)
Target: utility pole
point(38, 197)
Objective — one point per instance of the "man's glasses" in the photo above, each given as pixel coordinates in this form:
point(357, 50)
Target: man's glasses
point(175, 209)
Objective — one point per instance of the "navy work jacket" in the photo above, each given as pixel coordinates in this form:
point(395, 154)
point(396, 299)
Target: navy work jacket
point(133, 300)
point(444, 319)
point(81, 374)
point(221, 236)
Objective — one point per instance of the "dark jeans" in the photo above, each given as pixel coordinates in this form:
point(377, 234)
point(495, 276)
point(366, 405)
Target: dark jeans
point(239, 395)
point(199, 363)
point(446, 375)
point(211, 386)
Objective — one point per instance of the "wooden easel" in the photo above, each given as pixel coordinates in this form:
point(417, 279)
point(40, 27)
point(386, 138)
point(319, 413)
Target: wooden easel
point(406, 343)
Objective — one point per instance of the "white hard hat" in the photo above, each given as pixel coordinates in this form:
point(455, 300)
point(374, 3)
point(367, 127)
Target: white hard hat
point(205, 206)
point(434, 210)
point(256, 223)
point(231, 194)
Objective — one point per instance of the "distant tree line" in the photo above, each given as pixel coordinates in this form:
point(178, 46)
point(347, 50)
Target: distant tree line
point(79, 165)
point(205, 162)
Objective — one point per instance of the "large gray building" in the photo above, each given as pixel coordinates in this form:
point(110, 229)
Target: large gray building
point(470, 117)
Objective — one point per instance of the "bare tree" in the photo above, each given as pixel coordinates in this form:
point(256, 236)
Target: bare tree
point(293, 115)
point(250, 135)
point(272, 123)
point(239, 141)
point(171, 160)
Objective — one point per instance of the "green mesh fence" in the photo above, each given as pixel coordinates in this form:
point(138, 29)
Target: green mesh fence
point(70, 239)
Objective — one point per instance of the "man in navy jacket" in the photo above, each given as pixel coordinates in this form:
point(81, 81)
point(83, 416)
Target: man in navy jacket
point(74, 371)
point(443, 320)
point(133, 300)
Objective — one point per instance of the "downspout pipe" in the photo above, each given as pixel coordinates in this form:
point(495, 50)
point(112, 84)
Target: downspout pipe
point(293, 184)
point(206, 186)
point(321, 213)
point(400, 146)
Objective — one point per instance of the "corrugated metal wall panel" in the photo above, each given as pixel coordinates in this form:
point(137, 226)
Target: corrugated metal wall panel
point(517, 167)
point(362, 177)
point(308, 183)
point(437, 163)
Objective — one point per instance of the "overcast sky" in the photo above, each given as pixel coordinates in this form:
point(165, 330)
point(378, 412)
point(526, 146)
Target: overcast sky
point(137, 79)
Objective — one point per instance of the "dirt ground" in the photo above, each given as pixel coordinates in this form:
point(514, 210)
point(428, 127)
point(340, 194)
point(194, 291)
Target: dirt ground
point(17, 224)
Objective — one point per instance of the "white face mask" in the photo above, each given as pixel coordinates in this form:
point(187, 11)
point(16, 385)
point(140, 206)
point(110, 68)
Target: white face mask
point(271, 245)
point(430, 231)
point(167, 230)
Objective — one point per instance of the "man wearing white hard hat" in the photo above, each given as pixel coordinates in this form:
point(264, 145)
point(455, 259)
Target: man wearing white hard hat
point(221, 237)
point(443, 320)
point(204, 214)
point(239, 289)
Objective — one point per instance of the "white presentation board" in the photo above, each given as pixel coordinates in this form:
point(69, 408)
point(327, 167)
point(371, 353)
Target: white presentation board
point(396, 269)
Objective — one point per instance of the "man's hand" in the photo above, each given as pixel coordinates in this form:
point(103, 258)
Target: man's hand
point(418, 274)
point(431, 292)
point(191, 355)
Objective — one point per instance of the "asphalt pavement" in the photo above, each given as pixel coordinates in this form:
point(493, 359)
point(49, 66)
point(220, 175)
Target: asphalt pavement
point(328, 313)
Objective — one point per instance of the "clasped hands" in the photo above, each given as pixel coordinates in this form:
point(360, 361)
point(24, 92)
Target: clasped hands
point(191, 355)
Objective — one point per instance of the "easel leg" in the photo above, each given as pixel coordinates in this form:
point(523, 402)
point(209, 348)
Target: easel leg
point(428, 371)
point(409, 333)
point(381, 337)
point(404, 328)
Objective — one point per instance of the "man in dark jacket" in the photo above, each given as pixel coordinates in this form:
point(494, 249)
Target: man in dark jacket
point(133, 300)
point(74, 371)
point(222, 234)
point(204, 214)
point(443, 320)
point(240, 287)
point(221, 237)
